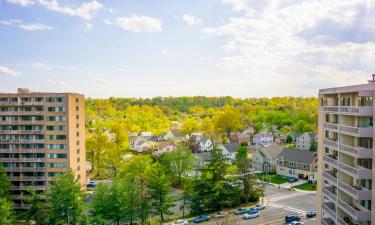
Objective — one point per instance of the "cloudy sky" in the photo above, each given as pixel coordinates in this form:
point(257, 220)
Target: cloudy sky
point(144, 48)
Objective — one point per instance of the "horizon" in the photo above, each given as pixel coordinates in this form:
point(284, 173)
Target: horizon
point(142, 49)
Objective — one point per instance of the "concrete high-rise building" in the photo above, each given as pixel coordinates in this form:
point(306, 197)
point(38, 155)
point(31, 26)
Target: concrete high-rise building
point(346, 155)
point(41, 135)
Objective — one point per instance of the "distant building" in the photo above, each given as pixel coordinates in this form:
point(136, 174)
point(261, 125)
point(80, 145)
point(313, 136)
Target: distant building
point(264, 159)
point(203, 158)
point(263, 138)
point(243, 137)
point(297, 164)
point(176, 136)
point(201, 143)
point(230, 150)
point(303, 141)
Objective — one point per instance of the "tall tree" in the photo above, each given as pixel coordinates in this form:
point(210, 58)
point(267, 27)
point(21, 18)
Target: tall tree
point(66, 200)
point(159, 185)
point(228, 121)
point(179, 161)
point(6, 206)
point(190, 125)
point(96, 145)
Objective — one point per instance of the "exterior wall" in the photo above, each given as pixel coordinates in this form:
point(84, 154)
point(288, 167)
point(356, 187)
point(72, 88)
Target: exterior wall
point(292, 172)
point(303, 142)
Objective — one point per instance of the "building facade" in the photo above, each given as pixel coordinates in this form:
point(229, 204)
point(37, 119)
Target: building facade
point(41, 135)
point(304, 140)
point(346, 156)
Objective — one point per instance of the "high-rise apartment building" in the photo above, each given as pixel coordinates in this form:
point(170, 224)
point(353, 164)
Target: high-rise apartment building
point(41, 135)
point(346, 155)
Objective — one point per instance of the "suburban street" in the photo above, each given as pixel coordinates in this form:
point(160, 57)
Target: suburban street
point(280, 202)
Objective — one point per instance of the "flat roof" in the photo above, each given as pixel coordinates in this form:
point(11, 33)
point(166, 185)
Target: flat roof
point(352, 88)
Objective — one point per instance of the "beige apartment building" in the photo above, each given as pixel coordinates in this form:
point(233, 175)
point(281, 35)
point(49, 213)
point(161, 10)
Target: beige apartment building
point(346, 156)
point(41, 135)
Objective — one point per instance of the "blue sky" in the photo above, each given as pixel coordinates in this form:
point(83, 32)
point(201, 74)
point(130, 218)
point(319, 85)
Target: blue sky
point(145, 48)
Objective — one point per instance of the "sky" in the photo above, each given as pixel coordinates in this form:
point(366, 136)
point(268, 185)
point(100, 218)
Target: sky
point(148, 48)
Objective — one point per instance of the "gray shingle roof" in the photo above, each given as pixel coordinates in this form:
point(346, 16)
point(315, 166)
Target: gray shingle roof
point(178, 133)
point(231, 147)
point(274, 150)
point(298, 156)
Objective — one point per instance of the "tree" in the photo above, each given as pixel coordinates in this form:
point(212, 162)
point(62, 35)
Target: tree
point(96, 145)
point(228, 121)
point(209, 130)
point(66, 200)
point(190, 125)
point(6, 206)
point(4, 183)
point(313, 145)
point(241, 153)
point(159, 185)
point(179, 161)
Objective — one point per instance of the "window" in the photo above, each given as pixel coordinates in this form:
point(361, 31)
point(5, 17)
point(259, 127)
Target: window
point(77, 108)
point(365, 101)
point(57, 165)
point(77, 117)
point(52, 174)
point(57, 137)
point(61, 127)
point(77, 99)
point(57, 156)
point(56, 118)
point(56, 146)
point(78, 151)
point(56, 109)
point(77, 134)
point(77, 142)
point(78, 159)
point(77, 125)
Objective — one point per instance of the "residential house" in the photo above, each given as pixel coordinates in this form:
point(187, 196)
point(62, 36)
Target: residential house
point(164, 147)
point(264, 159)
point(200, 143)
point(230, 150)
point(297, 164)
point(243, 137)
point(202, 158)
point(146, 135)
point(303, 141)
point(142, 146)
point(263, 138)
point(176, 136)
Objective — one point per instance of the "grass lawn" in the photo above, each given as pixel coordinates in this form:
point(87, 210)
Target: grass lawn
point(306, 186)
point(272, 178)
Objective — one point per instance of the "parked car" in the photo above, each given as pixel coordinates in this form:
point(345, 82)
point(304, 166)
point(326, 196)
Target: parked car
point(292, 180)
point(311, 214)
point(221, 214)
point(91, 184)
point(240, 211)
point(259, 206)
point(296, 223)
point(201, 218)
point(180, 222)
point(253, 213)
point(292, 218)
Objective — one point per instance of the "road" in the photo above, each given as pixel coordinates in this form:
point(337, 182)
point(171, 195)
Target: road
point(280, 202)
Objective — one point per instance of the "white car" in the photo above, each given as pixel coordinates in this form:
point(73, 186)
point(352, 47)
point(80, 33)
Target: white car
point(251, 215)
point(180, 222)
point(296, 223)
point(259, 207)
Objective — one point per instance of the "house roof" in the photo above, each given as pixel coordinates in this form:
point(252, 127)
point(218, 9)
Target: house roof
point(298, 156)
point(203, 156)
point(231, 147)
point(177, 133)
point(164, 144)
point(274, 150)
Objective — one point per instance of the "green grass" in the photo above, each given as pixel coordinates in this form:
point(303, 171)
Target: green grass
point(275, 179)
point(306, 187)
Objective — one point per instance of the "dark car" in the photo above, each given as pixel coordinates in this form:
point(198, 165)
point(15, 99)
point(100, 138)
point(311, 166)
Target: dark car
point(201, 218)
point(241, 211)
point(291, 218)
point(311, 214)
point(292, 180)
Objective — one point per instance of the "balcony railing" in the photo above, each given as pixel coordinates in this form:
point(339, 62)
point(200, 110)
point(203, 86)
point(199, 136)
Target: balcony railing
point(24, 169)
point(24, 187)
point(331, 143)
point(359, 193)
point(357, 152)
point(331, 212)
point(333, 109)
point(330, 126)
point(356, 131)
point(327, 221)
point(349, 129)
point(358, 172)
point(329, 194)
point(362, 110)
point(330, 160)
point(330, 178)
point(341, 222)
point(355, 213)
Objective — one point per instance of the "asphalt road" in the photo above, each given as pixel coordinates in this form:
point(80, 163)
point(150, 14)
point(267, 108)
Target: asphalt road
point(280, 202)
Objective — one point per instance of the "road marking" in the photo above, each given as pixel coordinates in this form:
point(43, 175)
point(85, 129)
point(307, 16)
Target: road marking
point(287, 208)
point(284, 196)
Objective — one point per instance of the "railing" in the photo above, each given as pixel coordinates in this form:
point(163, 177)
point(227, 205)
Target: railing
point(349, 169)
point(349, 109)
point(327, 221)
point(341, 221)
point(24, 169)
point(330, 160)
point(330, 143)
point(349, 129)
point(331, 195)
point(330, 178)
point(349, 149)
point(24, 187)
point(348, 209)
point(330, 108)
point(331, 126)
point(331, 212)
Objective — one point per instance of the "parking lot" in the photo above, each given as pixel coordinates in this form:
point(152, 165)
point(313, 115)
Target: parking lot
point(280, 202)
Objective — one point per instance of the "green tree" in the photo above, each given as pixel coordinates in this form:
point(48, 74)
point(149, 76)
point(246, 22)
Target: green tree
point(190, 125)
point(313, 145)
point(96, 145)
point(159, 185)
point(178, 162)
point(66, 200)
point(6, 206)
point(228, 121)
point(241, 153)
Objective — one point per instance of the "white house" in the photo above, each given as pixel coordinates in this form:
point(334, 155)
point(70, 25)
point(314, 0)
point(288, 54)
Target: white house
point(176, 135)
point(264, 159)
point(230, 150)
point(203, 144)
point(263, 138)
point(303, 141)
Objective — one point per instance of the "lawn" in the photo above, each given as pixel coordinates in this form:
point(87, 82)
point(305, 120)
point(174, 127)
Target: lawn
point(306, 186)
point(275, 179)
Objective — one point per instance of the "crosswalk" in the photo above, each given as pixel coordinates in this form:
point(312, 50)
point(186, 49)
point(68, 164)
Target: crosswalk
point(277, 197)
point(287, 208)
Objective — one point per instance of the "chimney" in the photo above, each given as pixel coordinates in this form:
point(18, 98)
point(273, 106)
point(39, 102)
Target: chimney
point(373, 79)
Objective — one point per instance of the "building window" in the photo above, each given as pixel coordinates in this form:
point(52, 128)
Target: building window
point(77, 99)
point(57, 156)
point(77, 125)
point(57, 165)
point(78, 159)
point(57, 137)
point(77, 134)
point(56, 146)
point(77, 142)
point(77, 108)
point(77, 117)
point(78, 151)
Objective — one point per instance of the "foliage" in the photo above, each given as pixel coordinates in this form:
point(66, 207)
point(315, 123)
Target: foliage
point(6, 206)
point(241, 153)
point(228, 121)
point(313, 145)
point(190, 125)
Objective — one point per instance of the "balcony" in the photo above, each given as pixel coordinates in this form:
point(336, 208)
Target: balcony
point(330, 160)
point(329, 209)
point(27, 178)
point(331, 109)
point(357, 192)
point(357, 152)
point(358, 172)
point(328, 221)
point(25, 169)
point(331, 143)
point(31, 141)
point(356, 131)
point(329, 193)
point(341, 221)
point(24, 187)
point(330, 126)
point(329, 177)
point(356, 110)
point(355, 212)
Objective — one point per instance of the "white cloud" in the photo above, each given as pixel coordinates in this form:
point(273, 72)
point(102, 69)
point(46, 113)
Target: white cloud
point(8, 72)
point(10, 22)
point(21, 2)
point(86, 10)
point(41, 66)
point(89, 26)
point(34, 27)
point(139, 24)
point(191, 20)
point(98, 80)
